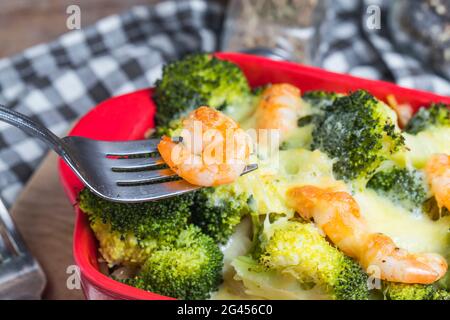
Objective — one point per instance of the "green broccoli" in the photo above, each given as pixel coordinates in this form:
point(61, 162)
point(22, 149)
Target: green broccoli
point(299, 249)
point(197, 80)
point(190, 268)
point(427, 133)
point(403, 291)
point(129, 232)
point(407, 187)
point(320, 99)
point(217, 211)
point(359, 132)
point(438, 114)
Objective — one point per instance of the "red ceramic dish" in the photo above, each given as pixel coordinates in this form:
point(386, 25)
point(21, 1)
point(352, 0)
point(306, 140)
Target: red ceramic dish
point(128, 117)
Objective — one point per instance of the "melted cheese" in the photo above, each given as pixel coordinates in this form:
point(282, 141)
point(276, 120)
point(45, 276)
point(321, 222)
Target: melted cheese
point(423, 145)
point(286, 169)
point(238, 245)
point(412, 231)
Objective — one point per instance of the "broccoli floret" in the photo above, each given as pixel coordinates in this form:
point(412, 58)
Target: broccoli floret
point(118, 248)
point(299, 249)
point(197, 80)
point(172, 129)
point(403, 291)
point(438, 114)
point(441, 294)
point(407, 187)
point(190, 268)
point(359, 132)
point(129, 232)
point(159, 219)
point(320, 99)
point(218, 210)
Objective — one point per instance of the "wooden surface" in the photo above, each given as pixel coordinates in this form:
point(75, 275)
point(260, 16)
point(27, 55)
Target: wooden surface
point(24, 23)
point(45, 219)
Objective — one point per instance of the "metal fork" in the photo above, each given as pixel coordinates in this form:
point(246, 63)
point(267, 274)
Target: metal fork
point(127, 171)
point(20, 275)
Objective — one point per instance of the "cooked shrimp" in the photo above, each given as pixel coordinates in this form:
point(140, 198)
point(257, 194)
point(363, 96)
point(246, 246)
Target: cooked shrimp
point(404, 111)
point(399, 265)
point(438, 173)
point(213, 149)
point(278, 108)
point(338, 215)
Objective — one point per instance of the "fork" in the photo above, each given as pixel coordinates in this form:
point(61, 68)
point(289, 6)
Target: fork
point(21, 277)
point(127, 171)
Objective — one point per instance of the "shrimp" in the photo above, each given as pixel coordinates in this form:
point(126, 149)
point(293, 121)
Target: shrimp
point(404, 111)
point(278, 108)
point(338, 215)
point(438, 174)
point(213, 149)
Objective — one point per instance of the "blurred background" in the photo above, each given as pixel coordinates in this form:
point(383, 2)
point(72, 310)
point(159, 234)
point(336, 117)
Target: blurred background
point(60, 58)
point(25, 23)
point(417, 28)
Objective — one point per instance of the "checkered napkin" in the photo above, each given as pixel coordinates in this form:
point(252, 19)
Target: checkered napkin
point(57, 82)
point(350, 47)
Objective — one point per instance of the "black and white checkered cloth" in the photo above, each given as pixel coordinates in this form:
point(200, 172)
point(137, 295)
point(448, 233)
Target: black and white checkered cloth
point(353, 48)
point(55, 83)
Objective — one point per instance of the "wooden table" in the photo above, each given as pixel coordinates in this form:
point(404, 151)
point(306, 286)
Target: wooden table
point(24, 23)
point(45, 219)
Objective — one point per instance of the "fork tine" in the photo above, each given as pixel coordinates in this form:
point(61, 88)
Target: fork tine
point(124, 148)
point(249, 168)
point(10, 229)
point(4, 252)
point(157, 191)
point(126, 177)
point(134, 163)
point(123, 178)
point(152, 192)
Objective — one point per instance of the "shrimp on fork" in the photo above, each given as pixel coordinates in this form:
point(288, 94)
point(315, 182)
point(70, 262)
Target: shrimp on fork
point(338, 215)
point(213, 149)
point(438, 174)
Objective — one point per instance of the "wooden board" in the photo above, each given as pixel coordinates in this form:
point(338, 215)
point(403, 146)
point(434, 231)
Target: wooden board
point(24, 23)
point(34, 22)
point(45, 219)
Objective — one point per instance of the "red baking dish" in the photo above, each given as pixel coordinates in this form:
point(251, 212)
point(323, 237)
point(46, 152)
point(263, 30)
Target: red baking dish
point(128, 117)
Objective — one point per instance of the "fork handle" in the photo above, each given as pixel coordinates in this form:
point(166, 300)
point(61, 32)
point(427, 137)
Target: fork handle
point(32, 128)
